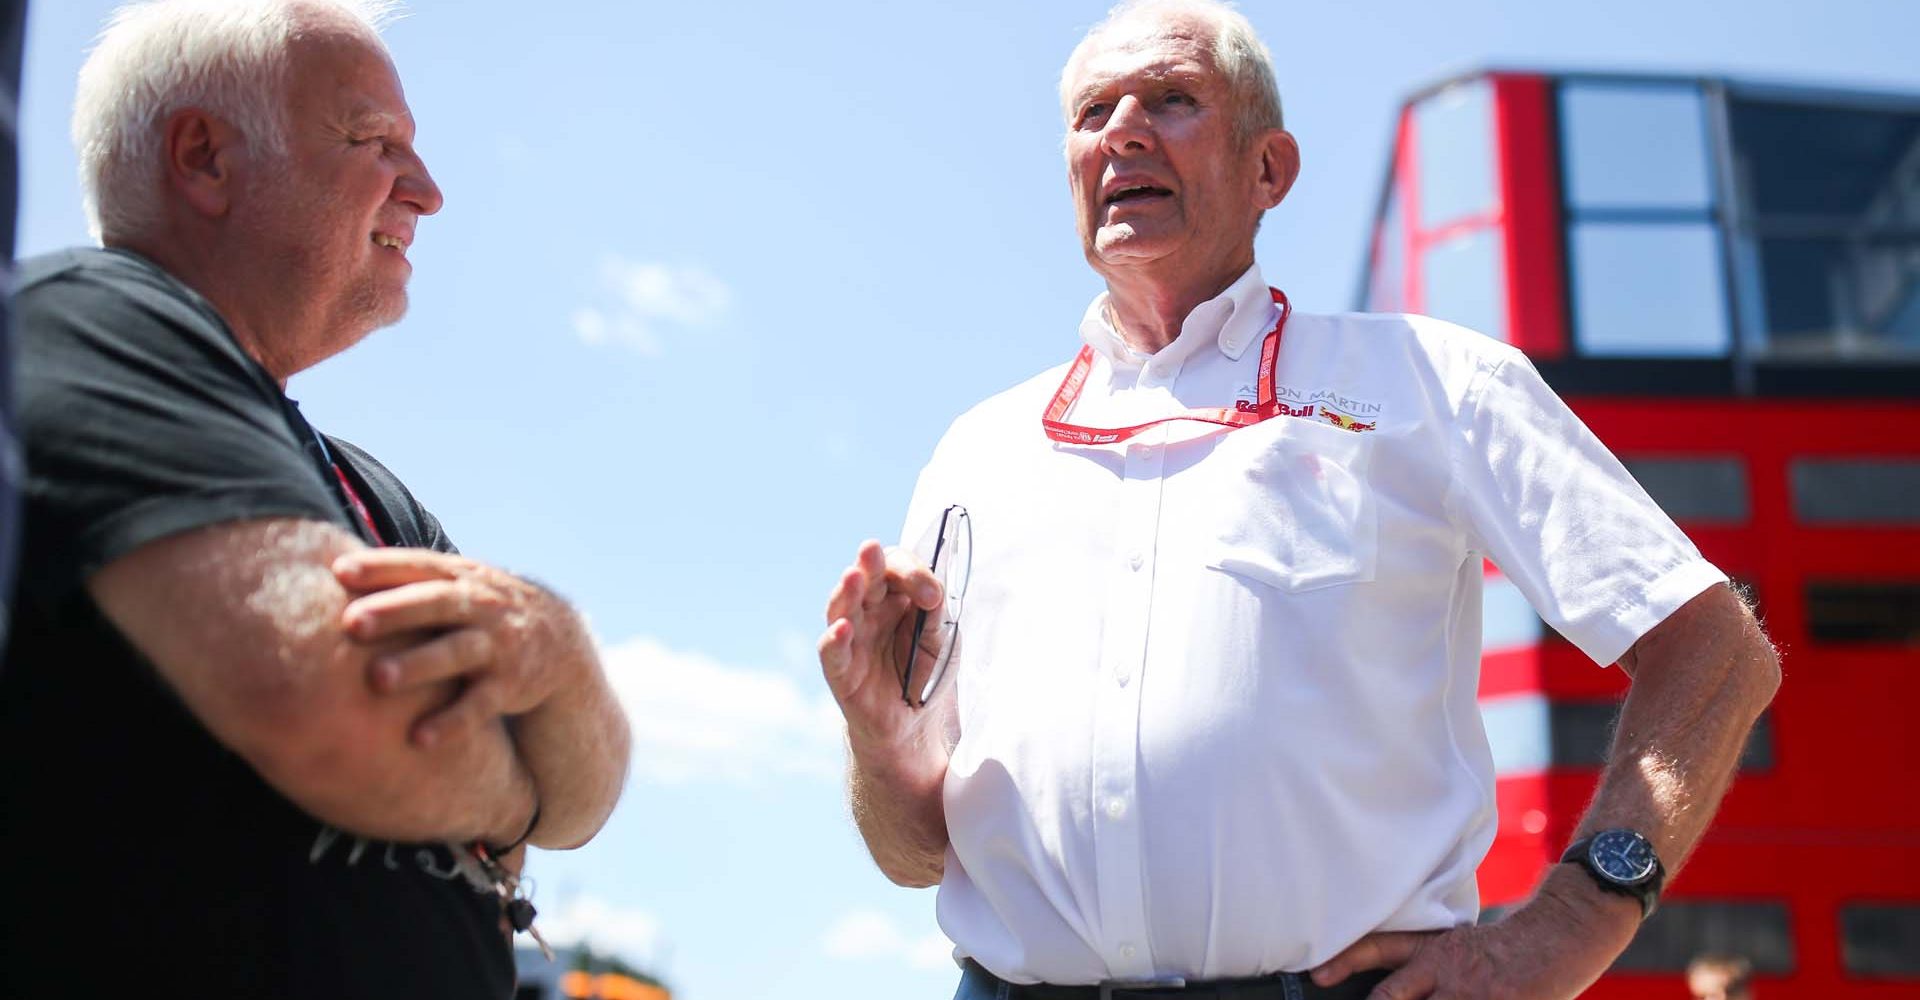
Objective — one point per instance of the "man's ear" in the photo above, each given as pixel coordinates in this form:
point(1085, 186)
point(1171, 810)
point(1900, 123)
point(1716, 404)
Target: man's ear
point(1279, 166)
point(201, 153)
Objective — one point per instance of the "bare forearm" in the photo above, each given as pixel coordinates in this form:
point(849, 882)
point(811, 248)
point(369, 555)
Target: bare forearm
point(471, 788)
point(240, 620)
point(897, 804)
point(1698, 688)
point(576, 746)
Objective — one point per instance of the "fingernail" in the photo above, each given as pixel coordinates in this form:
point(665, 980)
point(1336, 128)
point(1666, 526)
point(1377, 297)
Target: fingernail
point(426, 736)
point(345, 566)
point(1321, 975)
point(386, 675)
point(360, 625)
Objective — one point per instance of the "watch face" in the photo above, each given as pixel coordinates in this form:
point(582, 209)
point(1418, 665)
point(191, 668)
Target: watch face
point(1622, 855)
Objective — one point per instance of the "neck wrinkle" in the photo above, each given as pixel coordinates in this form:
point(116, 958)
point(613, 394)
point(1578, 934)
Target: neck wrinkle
point(1148, 315)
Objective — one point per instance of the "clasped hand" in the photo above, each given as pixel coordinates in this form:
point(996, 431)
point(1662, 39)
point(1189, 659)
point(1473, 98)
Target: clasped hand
point(492, 638)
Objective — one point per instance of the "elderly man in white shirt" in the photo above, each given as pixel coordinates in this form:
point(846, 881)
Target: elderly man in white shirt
point(1211, 723)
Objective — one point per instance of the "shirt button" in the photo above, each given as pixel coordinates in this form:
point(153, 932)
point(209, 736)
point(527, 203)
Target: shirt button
point(1116, 808)
point(1127, 951)
point(1123, 675)
point(1136, 559)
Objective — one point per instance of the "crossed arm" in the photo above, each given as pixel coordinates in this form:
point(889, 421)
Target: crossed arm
point(396, 693)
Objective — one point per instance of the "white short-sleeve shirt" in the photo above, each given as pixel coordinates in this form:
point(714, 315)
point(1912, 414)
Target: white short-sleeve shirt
point(1217, 689)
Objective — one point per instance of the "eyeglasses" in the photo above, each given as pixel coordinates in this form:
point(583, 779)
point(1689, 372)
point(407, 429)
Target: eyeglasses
point(927, 652)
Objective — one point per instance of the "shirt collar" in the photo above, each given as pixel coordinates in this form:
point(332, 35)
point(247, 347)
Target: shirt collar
point(1230, 321)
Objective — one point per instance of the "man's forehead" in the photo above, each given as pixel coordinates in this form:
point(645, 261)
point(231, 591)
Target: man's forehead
point(1146, 46)
point(348, 77)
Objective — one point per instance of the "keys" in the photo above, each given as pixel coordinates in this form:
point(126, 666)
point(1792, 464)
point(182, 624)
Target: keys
point(520, 914)
point(516, 897)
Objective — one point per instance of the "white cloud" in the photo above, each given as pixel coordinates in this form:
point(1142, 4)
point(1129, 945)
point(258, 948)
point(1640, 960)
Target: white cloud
point(868, 935)
point(632, 934)
point(648, 297)
point(695, 718)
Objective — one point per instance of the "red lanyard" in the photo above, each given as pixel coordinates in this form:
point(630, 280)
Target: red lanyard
point(346, 489)
point(1243, 414)
point(359, 505)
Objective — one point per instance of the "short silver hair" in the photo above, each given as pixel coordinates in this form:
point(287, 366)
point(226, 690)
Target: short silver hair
point(1238, 54)
point(155, 57)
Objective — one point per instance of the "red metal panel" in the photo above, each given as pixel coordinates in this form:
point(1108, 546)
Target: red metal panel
point(1835, 818)
point(1529, 178)
point(1406, 163)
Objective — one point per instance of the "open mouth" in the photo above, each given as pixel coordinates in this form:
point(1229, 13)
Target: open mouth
point(391, 242)
point(1137, 193)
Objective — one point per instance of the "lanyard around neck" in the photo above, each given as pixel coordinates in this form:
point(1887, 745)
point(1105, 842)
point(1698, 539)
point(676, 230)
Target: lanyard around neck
point(1243, 414)
point(351, 495)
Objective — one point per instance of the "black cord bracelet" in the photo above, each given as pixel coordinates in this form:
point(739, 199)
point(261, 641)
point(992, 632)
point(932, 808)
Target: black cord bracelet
point(500, 852)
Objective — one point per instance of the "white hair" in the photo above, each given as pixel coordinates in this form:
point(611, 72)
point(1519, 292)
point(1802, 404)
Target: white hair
point(1238, 54)
point(155, 57)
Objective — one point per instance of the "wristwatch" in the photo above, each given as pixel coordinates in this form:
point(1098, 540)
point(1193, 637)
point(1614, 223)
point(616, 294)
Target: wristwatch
point(1622, 861)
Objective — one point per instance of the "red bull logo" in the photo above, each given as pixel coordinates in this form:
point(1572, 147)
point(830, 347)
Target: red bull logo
point(1347, 423)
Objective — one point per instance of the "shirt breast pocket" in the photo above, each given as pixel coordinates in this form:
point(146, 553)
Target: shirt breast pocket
point(1293, 508)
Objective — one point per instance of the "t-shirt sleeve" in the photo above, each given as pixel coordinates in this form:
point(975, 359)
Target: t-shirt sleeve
point(1563, 519)
point(141, 419)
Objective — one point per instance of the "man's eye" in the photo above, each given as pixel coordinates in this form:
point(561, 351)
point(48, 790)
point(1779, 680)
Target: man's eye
point(1094, 112)
point(1176, 97)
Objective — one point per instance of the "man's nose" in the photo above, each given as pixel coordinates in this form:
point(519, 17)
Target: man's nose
point(415, 187)
point(1130, 128)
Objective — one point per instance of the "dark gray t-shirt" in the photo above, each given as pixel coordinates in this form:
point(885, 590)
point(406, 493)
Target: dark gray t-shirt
point(130, 832)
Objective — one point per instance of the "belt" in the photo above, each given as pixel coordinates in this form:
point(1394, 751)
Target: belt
point(1278, 986)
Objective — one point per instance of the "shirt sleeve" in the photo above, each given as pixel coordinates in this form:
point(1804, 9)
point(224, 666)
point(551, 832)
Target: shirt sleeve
point(1563, 519)
point(142, 419)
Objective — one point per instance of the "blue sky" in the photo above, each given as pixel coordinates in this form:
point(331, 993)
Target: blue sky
point(710, 281)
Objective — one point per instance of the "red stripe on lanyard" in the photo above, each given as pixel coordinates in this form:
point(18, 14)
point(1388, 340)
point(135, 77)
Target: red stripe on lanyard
point(359, 506)
point(1241, 416)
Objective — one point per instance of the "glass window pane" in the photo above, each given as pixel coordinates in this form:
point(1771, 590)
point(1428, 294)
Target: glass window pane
point(1635, 146)
point(1854, 295)
point(1832, 195)
point(1826, 160)
point(1856, 490)
point(1453, 131)
point(1884, 612)
point(1653, 290)
point(1463, 282)
point(1881, 939)
point(1582, 735)
point(1707, 490)
point(1683, 928)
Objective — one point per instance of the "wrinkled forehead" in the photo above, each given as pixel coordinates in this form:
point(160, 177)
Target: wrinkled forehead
point(1147, 45)
point(341, 68)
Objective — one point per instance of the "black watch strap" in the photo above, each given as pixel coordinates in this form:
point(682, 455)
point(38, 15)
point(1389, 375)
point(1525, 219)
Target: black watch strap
point(1646, 890)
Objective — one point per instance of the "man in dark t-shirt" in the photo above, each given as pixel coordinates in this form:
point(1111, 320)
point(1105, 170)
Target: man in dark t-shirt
point(13, 29)
point(269, 733)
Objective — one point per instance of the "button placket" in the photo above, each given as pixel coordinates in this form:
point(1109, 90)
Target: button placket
point(1116, 813)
